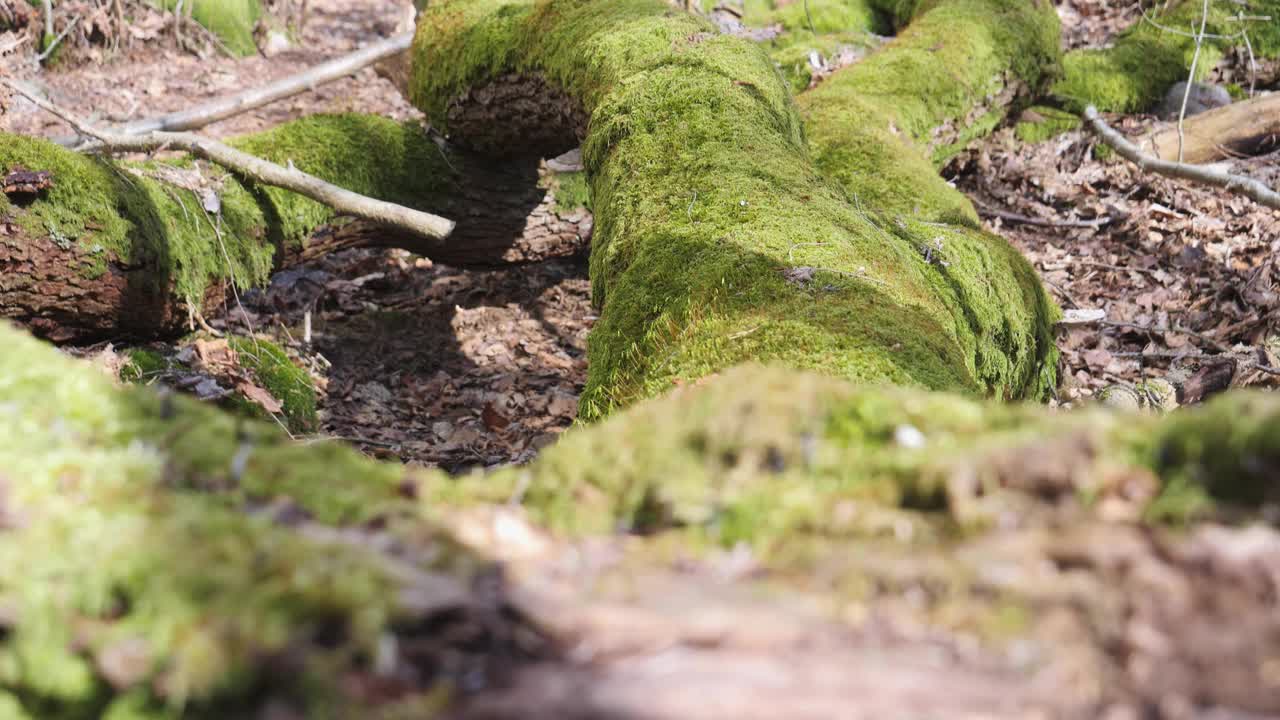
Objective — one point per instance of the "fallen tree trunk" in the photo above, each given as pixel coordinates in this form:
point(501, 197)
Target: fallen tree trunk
point(716, 239)
point(133, 248)
point(235, 571)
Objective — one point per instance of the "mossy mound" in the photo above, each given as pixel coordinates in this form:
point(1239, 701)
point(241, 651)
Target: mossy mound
point(1155, 53)
point(716, 240)
point(286, 382)
point(150, 213)
point(769, 456)
point(164, 559)
point(140, 578)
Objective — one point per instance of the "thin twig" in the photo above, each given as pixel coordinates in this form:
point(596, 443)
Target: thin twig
point(1247, 186)
point(1212, 341)
point(1043, 222)
point(53, 45)
point(311, 78)
point(1191, 76)
point(48, 19)
point(268, 173)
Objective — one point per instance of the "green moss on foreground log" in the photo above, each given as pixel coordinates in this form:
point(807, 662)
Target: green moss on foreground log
point(716, 239)
point(1152, 55)
point(137, 572)
point(140, 214)
point(161, 556)
point(768, 456)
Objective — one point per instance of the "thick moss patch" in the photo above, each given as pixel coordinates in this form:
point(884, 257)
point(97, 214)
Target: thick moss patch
point(286, 382)
point(936, 85)
point(769, 456)
point(716, 240)
point(137, 575)
point(163, 559)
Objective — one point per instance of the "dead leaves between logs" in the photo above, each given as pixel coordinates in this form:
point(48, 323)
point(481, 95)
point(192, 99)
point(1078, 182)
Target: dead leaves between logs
point(21, 181)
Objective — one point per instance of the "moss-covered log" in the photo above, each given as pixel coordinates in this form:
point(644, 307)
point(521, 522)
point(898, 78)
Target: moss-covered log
point(128, 248)
point(717, 239)
point(161, 556)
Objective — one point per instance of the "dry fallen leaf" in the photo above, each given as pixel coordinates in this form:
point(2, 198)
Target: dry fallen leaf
point(260, 396)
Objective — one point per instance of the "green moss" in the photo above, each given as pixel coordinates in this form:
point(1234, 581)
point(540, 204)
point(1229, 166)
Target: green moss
point(571, 190)
point(772, 456)
point(187, 569)
point(791, 53)
point(123, 211)
point(931, 84)
point(366, 154)
point(768, 456)
point(142, 365)
point(1230, 449)
point(1050, 122)
point(707, 206)
point(824, 16)
point(233, 21)
point(1149, 57)
point(135, 531)
point(288, 383)
point(821, 26)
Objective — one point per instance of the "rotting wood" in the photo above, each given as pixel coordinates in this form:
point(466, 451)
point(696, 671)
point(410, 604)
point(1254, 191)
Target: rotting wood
point(1226, 132)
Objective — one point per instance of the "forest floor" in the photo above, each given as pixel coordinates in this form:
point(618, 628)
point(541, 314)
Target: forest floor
point(457, 369)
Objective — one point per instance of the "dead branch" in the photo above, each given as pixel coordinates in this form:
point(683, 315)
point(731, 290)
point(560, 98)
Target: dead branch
point(1247, 186)
point(268, 173)
point(310, 79)
point(1042, 222)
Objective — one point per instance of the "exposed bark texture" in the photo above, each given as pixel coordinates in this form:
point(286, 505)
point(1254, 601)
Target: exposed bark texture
point(126, 247)
point(54, 290)
point(547, 122)
point(717, 240)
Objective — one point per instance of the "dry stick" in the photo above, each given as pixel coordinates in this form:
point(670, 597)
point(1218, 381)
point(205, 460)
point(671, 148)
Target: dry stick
point(1191, 76)
point(1042, 222)
point(61, 36)
point(268, 173)
point(1247, 186)
point(48, 19)
point(223, 108)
